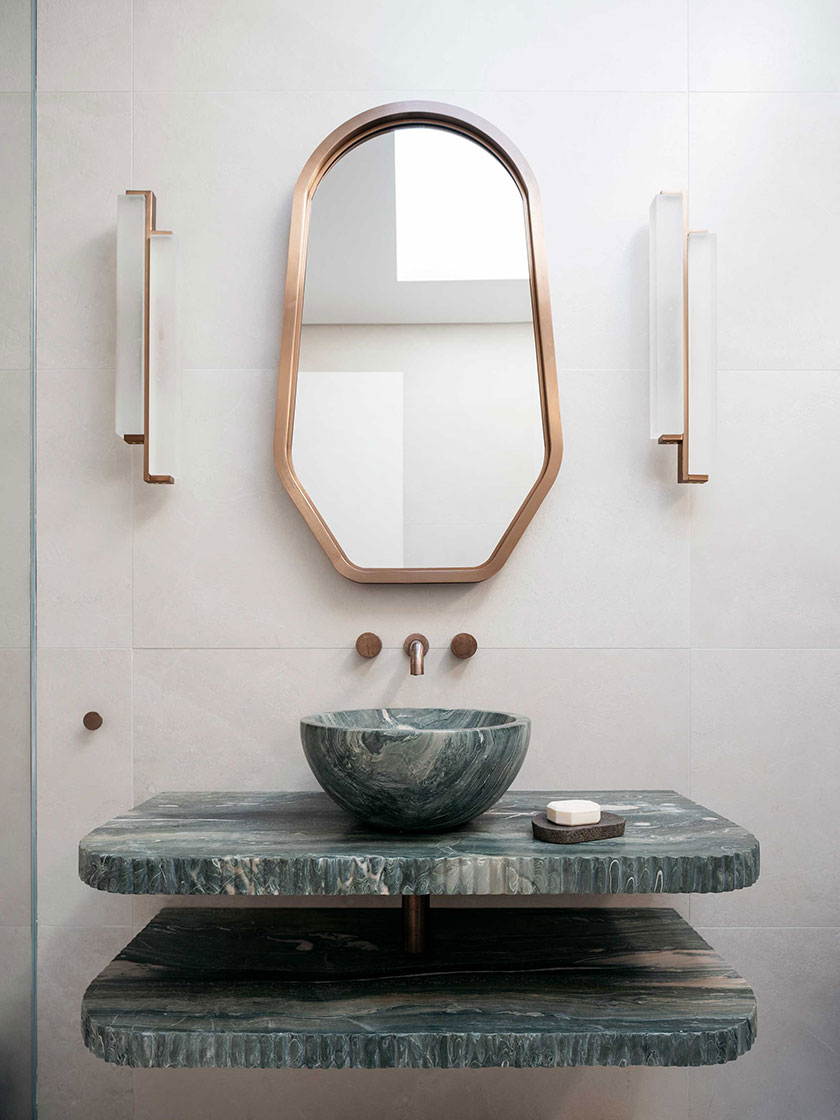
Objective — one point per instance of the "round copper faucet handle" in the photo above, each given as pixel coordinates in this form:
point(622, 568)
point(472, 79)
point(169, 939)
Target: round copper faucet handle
point(463, 645)
point(421, 638)
point(368, 644)
point(92, 721)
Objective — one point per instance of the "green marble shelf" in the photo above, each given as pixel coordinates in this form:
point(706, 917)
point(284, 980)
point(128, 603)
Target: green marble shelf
point(324, 989)
point(303, 844)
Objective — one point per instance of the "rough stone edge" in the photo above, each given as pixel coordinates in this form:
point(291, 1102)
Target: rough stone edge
point(548, 874)
point(428, 1050)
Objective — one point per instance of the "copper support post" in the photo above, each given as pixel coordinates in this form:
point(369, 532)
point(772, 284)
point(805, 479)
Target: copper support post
point(415, 911)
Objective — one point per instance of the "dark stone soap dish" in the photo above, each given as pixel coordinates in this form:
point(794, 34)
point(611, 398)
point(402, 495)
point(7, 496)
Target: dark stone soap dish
point(609, 826)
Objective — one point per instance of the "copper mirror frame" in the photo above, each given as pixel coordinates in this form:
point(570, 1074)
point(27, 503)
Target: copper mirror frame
point(355, 131)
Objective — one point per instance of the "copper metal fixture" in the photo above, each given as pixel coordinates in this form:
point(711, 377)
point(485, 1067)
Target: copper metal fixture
point(680, 439)
point(463, 645)
point(142, 437)
point(416, 646)
point(368, 645)
point(415, 910)
point(92, 721)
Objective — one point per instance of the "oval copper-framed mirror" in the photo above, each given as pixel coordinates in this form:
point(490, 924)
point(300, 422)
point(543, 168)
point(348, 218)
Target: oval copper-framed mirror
point(418, 426)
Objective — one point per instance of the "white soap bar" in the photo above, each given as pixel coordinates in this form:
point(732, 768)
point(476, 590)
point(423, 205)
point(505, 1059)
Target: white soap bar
point(573, 812)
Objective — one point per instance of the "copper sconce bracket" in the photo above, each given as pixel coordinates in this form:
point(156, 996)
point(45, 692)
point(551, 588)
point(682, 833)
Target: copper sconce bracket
point(682, 331)
point(141, 438)
point(682, 459)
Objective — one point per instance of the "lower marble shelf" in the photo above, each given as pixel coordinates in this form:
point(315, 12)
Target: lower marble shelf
point(329, 988)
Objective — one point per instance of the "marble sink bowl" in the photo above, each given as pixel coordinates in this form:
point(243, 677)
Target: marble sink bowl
point(415, 769)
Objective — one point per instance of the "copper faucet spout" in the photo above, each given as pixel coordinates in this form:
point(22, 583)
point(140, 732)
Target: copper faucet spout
point(416, 646)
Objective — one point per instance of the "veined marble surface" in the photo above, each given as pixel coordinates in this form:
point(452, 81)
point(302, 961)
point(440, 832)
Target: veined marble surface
point(415, 769)
point(303, 844)
point(333, 989)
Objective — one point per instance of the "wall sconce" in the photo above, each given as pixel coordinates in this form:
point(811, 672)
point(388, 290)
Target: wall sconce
point(683, 343)
point(148, 362)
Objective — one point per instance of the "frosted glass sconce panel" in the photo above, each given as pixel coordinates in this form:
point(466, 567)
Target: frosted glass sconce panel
point(683, 350)
point(147, 357)
point(164, 363)
point(132, 225)
point(702, 351)
point(667, 329)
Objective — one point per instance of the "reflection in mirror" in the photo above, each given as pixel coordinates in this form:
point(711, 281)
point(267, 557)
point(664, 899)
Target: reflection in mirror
point(418, 427)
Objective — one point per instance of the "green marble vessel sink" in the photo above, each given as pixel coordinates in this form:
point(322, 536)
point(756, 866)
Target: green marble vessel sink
point(415, 769)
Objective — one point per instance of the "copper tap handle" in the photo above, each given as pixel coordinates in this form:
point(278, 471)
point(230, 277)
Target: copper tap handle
point(368, 644)
point(463, 645)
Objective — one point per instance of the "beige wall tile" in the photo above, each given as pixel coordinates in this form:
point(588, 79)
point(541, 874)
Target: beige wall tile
point(488, 1094)
point(210, 44)
point(762, 173)
point(84, 162)
point(84, 513)
point(793, 1068)
point(764, 45)
point(764, 753)
point(766, 530)
point(84, 45)
point(15, 902)
point(84, 777)
point(72, 1083)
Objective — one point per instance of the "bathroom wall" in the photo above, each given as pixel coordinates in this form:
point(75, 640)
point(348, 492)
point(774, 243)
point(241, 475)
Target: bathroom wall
point(660, 636)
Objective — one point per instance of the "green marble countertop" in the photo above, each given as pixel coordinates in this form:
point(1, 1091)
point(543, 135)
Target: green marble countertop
point(303, 844)
point(332, 988)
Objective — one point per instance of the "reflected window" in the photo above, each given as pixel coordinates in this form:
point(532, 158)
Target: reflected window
point(459, 213)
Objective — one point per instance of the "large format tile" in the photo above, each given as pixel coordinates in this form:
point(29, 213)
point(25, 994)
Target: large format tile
point(211, 44)
point(14, 508)
point(15, 902)
point(15, 40)
point(764, 45)
point(228, 719)
point(16, 1022)
point(623, 148)
point(223, 558)
point(763, 169)
point(766, 528)
point(96, 31)
point(764, 752)
point(84, 162)
point(16, 227)
point(490, 1094)
point(792, 1070)
point(223, 167)
point(599, 159)
point(72, 1084)
point(84, 777)
point(84, 513)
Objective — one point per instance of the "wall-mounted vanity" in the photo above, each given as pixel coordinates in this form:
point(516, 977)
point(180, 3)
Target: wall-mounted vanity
point(417, 431)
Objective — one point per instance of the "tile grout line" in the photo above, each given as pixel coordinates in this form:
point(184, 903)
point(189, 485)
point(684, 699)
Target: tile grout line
point(392, 90)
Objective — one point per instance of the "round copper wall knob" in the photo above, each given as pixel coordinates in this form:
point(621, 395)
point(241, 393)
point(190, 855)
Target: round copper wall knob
point(368, 644)
point(92, 721)
point(463, 645)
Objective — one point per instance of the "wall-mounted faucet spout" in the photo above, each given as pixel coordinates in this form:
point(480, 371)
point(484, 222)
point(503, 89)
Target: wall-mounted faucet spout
point(416, 646)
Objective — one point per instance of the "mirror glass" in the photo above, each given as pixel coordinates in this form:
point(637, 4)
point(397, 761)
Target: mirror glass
point(418, 426)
